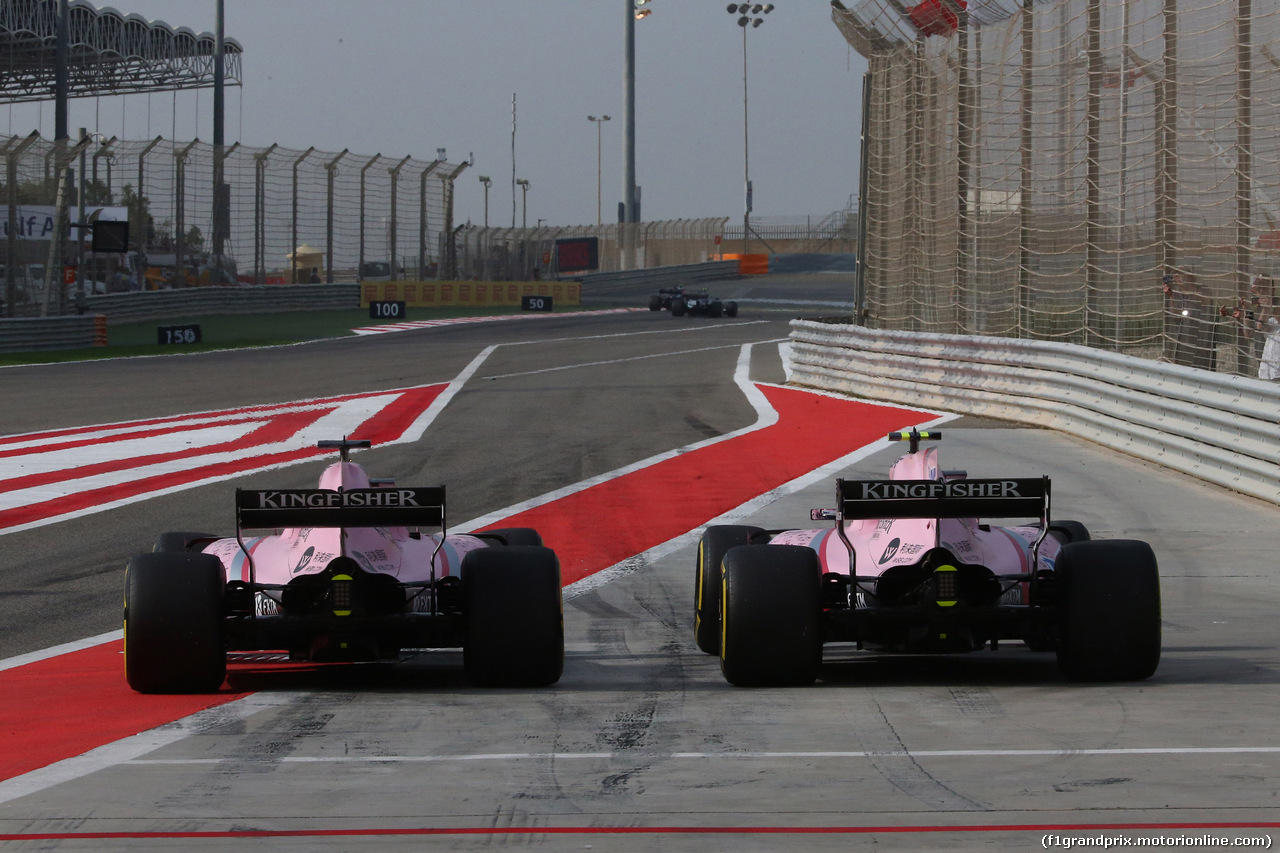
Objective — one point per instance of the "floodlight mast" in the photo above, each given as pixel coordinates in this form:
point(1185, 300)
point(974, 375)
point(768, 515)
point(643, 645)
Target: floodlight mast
point(744, 11)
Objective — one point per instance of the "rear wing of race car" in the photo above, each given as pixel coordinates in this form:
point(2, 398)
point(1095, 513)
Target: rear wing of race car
point(393, 506)
point(386, 506)
point(990, 498)
point(1004, 498)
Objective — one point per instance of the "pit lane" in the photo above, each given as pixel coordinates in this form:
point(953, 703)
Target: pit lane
point(642, 745)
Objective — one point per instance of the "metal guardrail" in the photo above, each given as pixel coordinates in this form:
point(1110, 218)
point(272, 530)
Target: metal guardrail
point(248, 299)
point(674, 276)
point(29, 334)
point(32, 334)
point(1223, 429)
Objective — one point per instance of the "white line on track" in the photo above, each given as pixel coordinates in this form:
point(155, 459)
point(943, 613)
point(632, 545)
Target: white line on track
point(611, 361)
point(64, 649)
point(732, 756)
point(409, 325)
point(123, 751)
point(130, 749)
point(765, 416)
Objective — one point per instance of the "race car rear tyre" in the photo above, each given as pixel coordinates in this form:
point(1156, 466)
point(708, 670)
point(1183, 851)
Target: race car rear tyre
point(1109, 628)
point(770, 609)
point(715, 309)
point(514, 535)
point(174, 637)
point(677, 307)
point(183, 540)
point(1069, 531)
point(513, 621)
point(715, 543)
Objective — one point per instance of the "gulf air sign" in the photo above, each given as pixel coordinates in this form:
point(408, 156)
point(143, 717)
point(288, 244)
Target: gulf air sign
point(40, 222)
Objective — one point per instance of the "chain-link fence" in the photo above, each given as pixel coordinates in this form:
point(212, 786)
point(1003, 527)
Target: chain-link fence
point(516, 254)
point(283, 216)
point(1095, 171)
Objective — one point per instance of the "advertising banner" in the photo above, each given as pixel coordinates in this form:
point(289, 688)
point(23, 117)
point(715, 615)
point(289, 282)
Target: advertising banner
point(38, 221)
point(428, 294)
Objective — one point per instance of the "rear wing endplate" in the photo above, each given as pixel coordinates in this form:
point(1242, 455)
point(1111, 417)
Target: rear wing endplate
point(1004, 498)
point(393, 506)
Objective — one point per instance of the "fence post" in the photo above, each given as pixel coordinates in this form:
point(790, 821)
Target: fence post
point(449, 261)
point(11, 172)
point(221, 213)
point(363, 170)
point(179, 212)
point(259, 215)
point(422, 218)
point(394, 172)
point(331, 168)
point(293, 244)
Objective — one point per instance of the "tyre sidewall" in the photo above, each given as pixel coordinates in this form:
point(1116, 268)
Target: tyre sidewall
point(175, 629)
point(513, 620)
point(1109, 619)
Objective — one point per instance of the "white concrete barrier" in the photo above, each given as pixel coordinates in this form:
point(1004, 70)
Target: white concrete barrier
point(1221, 428)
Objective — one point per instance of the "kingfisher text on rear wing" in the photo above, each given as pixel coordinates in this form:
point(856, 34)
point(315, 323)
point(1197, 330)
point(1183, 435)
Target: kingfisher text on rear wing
point(1002, 498)
point(377, 507)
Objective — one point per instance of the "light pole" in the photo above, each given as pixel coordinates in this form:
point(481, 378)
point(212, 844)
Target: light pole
point(598, 122)
point(484, 179)
point(744, 11)
point(523, 184)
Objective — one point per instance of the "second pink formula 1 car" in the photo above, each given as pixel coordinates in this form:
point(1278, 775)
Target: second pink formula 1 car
point(909, 566)
point(348, 574)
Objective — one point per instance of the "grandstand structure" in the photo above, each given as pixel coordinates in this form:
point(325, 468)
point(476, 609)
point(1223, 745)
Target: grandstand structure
point(109, 53)
point(55, 50)
point(1036, 168)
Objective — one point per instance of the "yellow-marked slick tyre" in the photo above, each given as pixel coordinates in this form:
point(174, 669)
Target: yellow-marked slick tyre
point(714, 544)
point(770, 610)
point(513, 621)
point(1109, 625)
point(174, 623)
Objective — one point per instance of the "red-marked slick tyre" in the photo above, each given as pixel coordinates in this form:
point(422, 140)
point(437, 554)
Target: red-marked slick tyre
point(174, 623)
point(715, 543)
point(770, 610)
point(513, 621)
point(1109, 625)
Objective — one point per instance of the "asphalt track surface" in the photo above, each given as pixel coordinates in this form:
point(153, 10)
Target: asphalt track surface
point(641, 745)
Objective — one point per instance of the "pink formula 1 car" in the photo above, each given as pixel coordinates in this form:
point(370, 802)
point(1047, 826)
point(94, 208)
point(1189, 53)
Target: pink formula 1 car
point(347, 577)
point(908, 567)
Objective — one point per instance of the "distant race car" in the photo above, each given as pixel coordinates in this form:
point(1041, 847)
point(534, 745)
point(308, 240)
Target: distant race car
point(908, 567)
point(661, 301)
point(700, 303)
point(347, 577)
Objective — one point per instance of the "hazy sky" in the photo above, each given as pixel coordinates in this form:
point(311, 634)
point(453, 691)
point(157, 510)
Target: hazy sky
point(405, 77)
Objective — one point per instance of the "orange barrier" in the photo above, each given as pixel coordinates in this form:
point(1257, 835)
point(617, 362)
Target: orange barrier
point(750, 264)
point(428, 294)
point(100, 330)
